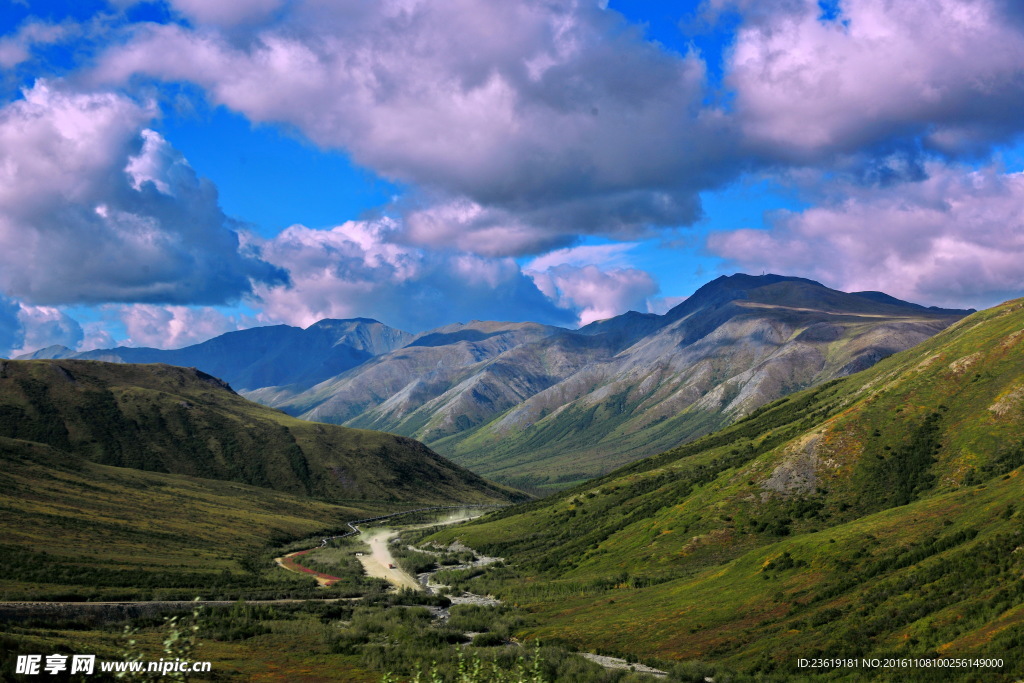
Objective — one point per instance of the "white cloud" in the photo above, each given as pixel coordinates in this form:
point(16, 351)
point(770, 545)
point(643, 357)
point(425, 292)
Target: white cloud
point(172, 327)
point(17, 48)
point(45, 326)
point(948, 72)
point(357, 269)
point(96, 336)
point(600, 254)
point(594, 293)
point(465, 225)
point(523, 123)
point(954, 239)
point(96, 208)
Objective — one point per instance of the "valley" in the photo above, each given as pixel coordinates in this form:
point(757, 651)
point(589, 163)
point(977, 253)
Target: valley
point(532, 341)
point(874, 514)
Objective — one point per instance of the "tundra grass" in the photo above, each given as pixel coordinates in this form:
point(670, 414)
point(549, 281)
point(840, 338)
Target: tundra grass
point(878, 514)
point(83, 530)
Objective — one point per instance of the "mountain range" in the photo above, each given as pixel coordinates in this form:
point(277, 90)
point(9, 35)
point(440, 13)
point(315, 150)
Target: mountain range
point(876, 515)
point(539, 406)
point(263, 356)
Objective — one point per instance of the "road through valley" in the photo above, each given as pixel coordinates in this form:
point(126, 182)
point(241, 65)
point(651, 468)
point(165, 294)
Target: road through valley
point(377, 560)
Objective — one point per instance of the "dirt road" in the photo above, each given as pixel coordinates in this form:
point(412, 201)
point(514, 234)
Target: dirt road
point(376, 562)
point(292, 565)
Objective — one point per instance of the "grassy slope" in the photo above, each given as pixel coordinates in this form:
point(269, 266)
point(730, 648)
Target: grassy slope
point(122, 481)
point(74, 529)
point(177, 420)
point(879, 513)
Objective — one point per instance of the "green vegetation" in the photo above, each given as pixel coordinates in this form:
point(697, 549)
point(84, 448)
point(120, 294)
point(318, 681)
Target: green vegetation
point(391, 637)
point(75, 530)
point(876, 514)
point(102, 499)
point(416, 562)
point(161, 418)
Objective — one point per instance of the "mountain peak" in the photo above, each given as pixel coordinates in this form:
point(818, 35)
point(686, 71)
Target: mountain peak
point(784, 291)
point(744, 281)
point(53, 351)
point(729, 288)
point(335, 322)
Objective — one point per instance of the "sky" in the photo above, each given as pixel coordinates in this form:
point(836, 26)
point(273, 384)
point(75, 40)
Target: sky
point(174, 170)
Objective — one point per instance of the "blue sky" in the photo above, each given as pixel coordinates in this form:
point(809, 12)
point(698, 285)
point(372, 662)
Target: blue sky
point(173, 170)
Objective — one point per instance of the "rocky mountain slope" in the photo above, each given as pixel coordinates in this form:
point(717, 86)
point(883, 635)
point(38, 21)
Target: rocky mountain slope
point(543, 406)
point(874, 515)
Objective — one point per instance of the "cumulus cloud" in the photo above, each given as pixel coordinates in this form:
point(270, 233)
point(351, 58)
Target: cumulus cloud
point(954, 239)
point(96, 208)
point(96, 336)
point(172, 327)
point(596, 294)
point(467, 226)
point(358, 269)
point(46, 326)
point(945, 73)
point(522, 125)
point(25, 328)
point(518, 127)
point(524, 122)
point(596, 281)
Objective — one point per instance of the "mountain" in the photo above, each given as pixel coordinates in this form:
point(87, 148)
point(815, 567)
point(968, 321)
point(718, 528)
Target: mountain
point(161, 418)
point(409, 385)
point(542, 406)
point(877, 514)
point(264, 356)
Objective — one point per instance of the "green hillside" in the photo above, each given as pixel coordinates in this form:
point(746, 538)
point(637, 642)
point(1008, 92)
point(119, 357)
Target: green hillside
point(162, 418)
point(74, 530)
point(876, 514)
point(154, 481)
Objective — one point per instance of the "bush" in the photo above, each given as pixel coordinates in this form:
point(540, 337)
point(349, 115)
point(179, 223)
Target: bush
point(487, 640)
